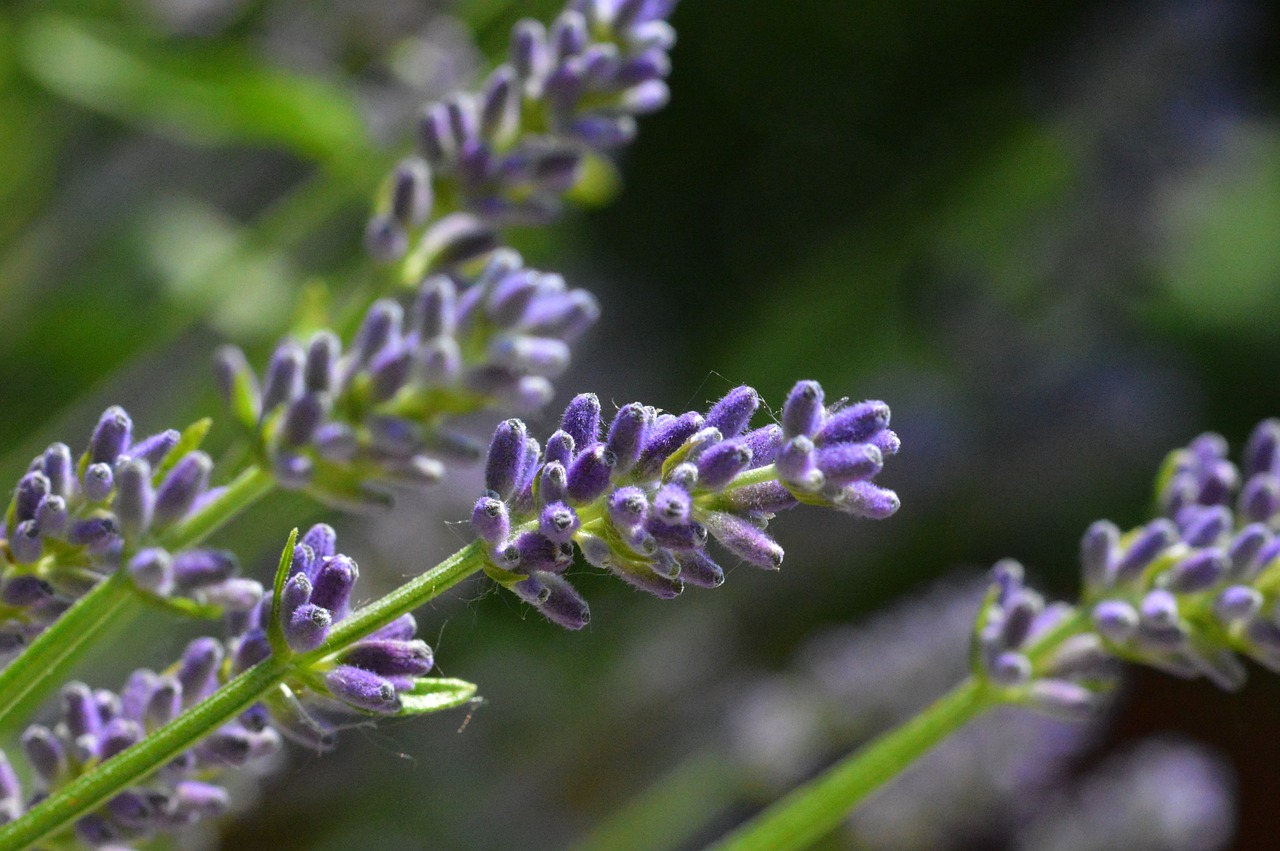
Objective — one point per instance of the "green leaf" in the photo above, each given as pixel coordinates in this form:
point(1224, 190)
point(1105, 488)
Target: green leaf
point(192, 436)
point(200, 94)
point(435, 694)
point(275, 629)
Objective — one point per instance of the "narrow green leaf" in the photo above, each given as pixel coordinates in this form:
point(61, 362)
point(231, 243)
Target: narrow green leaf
point(275, 629)
point(434, 694)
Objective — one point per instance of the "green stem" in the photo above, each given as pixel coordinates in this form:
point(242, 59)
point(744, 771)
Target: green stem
point(45, 663)
point(26, 681)
point(812, 811)
point(135, 764)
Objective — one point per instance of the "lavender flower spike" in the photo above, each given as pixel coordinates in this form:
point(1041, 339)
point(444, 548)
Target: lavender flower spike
point(71, 522)
point(643, 500)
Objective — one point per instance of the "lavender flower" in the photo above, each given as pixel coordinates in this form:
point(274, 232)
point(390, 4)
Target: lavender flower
point(381, 674)
point(346, 424)
point(643, 498)
point(71, 523)
point(509, 152)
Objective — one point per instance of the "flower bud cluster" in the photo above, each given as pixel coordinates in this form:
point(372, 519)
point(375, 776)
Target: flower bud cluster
point(368, 676)
point(643, 497)
point(96, 724)
point(365, 677)
point(1012, 619)
point(1189, 589)
point(509, 152)
point(345, 424)
point(72, 522)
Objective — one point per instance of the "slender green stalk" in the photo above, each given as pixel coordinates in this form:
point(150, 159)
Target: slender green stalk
point(26, 681)
point(45, 663)
point(812, 811)
point(95, 787)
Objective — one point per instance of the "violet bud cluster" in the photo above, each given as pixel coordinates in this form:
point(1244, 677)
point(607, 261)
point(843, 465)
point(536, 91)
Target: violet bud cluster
point(643, 497)
point(509, 152)
point(93, 725)
point(1071, 682)
point(1189, 590)
point(366, 677)
point(72, 521)
point(346, 424)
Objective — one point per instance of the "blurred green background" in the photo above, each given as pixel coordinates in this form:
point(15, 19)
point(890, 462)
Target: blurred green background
point(1045, 233)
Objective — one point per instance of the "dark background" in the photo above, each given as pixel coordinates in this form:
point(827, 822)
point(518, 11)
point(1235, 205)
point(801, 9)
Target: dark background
point(1045, 233)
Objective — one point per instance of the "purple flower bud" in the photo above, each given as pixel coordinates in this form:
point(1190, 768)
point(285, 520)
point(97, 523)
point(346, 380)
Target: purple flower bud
point(665, 439)
point(296, 591)
point(764, 444)
point(284, 380)
point(111, 436)
point(566, 317)
point(1198, 572)
point(94, 532)
point(307, 627)
point(32, 490)
point(164, 704)
point(1063, 698)
point(855, 424)
point(434, 138)
point(94, 830)
point(1157, 536)
point(847, 463)
point(388, 658)
point(80, 710)
point(500, 104)
point(402, 628)
point(322, 540)
point(58, 470)
point(411, 192)
point(439, 361)
point(590, 474)
point(698, 570)
point(380, 329)
point(199, 568)
point(1020, 611)
point(332, 584)
point(522, 353)
point(152, 570)
point(559, 522)
point(236, 594)
point(135, 500)
point(385, 239)
point(252, 649)
point(1237, 603)
point(646, 577)
point(132, 810)
point(732, 413)
point(463, 121)
point(1245, 549)
point(388, 372)
point(197, 668)
point(886, 441)
point(532, 589)
point(672, 505)
point(628, 507)
point(489, 520)
point(581, 420)
point(457, 238)
point(302, 418)
point(435, 308)
point(687, 536)
point(562, 605)
point(181, 488)
point(863, 499)
point(649, 65)
point(627, 434)
point(11, 803)
point(797, 464)
point(568, 36)
point(1115, 620)
point(744, 540)
point(540, 553)
point(98, 482)
point(1260, 497)
point(801, 415)
point(1009, 669)
point(25, 544)
point(45, 753)
point(1260, 453)
point(118, 735)
point(528, 51)
point(206, 799)
point(645, 98)
point(553, 483)
point(1159, 608)
point(1097, 552)
point(506, 458)
point(362, 689)
point(1205, 526)
point(24, 591)
point(336, 442)
point(51, 516)
point(234, 746)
